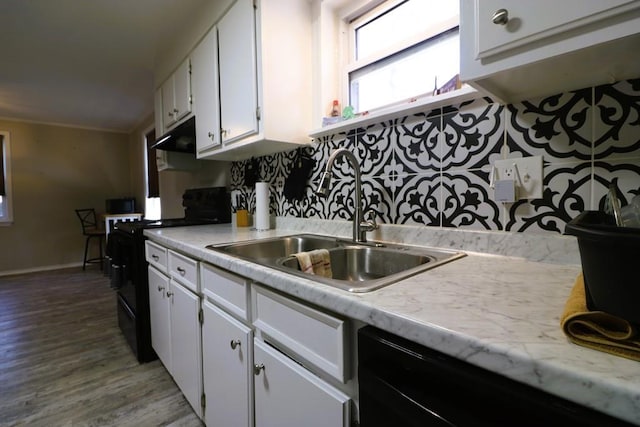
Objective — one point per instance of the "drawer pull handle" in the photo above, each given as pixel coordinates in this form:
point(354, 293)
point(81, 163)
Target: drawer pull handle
point(155, 257)
point(181, 270)
point(257, 368)
point(500, 17)
point(235, 343)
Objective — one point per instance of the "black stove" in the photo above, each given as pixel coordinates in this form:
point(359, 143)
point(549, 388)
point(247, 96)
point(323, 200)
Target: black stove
point(127, 266)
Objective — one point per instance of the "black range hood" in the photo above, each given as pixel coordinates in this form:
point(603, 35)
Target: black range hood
point(182, 138)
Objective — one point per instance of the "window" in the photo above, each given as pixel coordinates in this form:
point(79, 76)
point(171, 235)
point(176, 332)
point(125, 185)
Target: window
point(152, 202)
point(402, 50)
point(6, 209)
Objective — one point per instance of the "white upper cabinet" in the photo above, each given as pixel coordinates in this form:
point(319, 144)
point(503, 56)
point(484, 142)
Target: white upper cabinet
point(176, 96)
point(238, 79)
point(517, 50)
point(265, 73)
point(204, 82)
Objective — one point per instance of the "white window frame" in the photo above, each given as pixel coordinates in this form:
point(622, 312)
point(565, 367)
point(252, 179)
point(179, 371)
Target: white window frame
point(152, 206)
point(6, 210)
point(375, 8)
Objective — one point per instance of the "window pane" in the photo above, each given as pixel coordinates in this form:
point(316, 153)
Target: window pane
point(406, 20)
point(406, 74)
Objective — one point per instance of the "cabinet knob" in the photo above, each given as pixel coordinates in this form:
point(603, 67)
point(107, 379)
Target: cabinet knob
point(169, 293)
point(176, 111)
point(500, 17)
point(155, 257)
point(160, 288)
point(257, 368)
point(211, 135)
point(235, 343)
point(181, 270)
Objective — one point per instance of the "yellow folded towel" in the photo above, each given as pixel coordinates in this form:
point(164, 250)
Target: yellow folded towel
point(316, 262)
point(597, 329)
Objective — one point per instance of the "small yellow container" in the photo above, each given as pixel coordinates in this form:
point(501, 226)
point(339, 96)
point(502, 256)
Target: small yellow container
point(242, 218)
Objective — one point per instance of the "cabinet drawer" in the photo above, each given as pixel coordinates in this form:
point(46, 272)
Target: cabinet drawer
point(226, 289)
point(184, 270)
point(302, 332)
point(156, 255)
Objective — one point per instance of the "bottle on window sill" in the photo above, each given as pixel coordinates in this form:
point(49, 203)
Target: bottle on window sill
point(335, 109)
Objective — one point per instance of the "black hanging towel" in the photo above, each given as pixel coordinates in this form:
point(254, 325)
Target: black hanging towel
point(295, 184)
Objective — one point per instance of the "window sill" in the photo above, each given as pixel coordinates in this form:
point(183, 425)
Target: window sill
point(466, 93)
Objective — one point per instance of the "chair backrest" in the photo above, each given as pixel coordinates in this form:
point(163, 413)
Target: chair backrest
point(87, 219)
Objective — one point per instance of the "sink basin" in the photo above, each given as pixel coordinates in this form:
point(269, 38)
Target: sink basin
point(277, 247)
point(357, 267)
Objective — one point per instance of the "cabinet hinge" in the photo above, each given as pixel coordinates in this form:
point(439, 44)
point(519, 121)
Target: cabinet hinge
point(201, 316)
point(203, 401)
point(258, 113)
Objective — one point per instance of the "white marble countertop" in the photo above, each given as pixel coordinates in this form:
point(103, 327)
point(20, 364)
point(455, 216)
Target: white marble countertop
point(494, 311)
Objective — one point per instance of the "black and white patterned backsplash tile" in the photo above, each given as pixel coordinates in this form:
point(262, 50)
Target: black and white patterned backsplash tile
point(467, 201)
point(417, 199)
point(557, 127)
point(617, 123)
point(433, 168)
point(625, 174)
point(567, 192)
point(374, 148)
point(473, 137)
point(417, 144)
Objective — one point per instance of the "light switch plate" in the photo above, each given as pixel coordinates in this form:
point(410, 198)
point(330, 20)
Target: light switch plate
point(529, 183)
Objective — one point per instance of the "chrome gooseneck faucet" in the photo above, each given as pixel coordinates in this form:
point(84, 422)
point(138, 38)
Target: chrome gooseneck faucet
point(360, 227)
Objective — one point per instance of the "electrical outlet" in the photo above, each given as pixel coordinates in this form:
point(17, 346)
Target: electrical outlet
point(526, 172)
point(280, 183)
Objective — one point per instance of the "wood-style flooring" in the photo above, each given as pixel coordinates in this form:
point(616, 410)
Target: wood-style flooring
point(64, 362)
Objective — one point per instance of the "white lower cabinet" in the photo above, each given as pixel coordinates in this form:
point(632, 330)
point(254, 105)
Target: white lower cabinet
point(186, 344)
point(175, 319)
point(254, 367)
point(159, 310)
point(227, 361)
point(288, 395)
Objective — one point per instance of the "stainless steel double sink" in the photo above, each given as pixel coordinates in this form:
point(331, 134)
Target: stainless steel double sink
point(357, 267)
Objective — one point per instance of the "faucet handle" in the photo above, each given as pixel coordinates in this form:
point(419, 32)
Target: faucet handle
point(369, 223)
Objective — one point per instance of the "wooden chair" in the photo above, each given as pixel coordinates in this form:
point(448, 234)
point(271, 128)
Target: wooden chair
point(90, 230)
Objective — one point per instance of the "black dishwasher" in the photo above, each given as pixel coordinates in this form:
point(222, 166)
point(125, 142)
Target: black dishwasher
point(405, 384)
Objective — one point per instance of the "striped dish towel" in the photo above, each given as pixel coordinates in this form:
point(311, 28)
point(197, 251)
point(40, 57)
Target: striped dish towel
point(317, 262)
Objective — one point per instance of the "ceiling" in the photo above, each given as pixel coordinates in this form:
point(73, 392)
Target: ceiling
point(85, 63)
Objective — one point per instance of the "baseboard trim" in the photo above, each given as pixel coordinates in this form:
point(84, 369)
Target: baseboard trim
point(39, 269)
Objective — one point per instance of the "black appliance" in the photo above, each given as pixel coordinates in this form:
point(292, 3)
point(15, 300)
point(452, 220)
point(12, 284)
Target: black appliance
point(122, 205)
point(126, 264)
point(182, 138)
point(402, 383)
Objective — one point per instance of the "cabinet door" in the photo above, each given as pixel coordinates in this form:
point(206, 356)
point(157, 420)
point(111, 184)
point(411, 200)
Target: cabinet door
point(182, 90)
point(168, 103)
point(227, 363)
point(204, 79)
point(160, 316)
point(186, 344)
point(533, 21)
point(238, 75)
point(287, 395)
